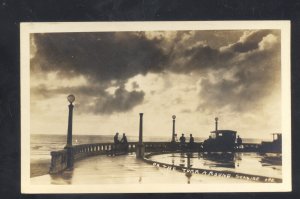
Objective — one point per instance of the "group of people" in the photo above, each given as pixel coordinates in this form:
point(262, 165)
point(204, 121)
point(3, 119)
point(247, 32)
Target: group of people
point(182, 141)
point(122, 141)
point(121, 144)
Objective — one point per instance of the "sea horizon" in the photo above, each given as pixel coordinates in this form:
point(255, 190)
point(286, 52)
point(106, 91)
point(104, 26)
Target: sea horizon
point(165, 138)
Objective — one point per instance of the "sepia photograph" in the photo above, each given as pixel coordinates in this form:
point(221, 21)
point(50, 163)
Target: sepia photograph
point(153, 107)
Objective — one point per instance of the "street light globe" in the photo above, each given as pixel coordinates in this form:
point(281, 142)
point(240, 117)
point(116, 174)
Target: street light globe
point(71, 98)
point(174, 116)
point(216, 119)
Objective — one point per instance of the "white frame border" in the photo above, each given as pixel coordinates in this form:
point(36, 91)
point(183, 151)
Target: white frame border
point(41, 27)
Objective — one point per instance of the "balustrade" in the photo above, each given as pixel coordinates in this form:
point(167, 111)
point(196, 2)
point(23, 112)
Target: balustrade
point(59, 158)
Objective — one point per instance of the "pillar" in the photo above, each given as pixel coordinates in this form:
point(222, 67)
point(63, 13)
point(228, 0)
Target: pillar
point(141, 129)
point(140, 149)
point(173, 129)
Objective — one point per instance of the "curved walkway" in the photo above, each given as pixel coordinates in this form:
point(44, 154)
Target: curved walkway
point(124, 170)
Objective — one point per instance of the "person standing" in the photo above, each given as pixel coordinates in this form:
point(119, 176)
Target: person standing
point(191, 139)
point(182, 141)
point(115, 148)
point(124, 143)
point(191, 143)
point(116, 139)
point(124, 139)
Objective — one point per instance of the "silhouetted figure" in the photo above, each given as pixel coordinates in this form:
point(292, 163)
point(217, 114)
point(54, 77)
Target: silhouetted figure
point(124, 143)
point(116, 148)
point(191, 139)
point(116, 139)
point(182, 141)
point(191, 143)
point(124, 139)
point(239, 141)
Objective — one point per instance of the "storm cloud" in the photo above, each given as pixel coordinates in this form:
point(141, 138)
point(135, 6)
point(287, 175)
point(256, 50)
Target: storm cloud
point(97, 100)
point(249, 76)
point(236, 69)
point(104, 59)
point(121, 101)
point(100, 57)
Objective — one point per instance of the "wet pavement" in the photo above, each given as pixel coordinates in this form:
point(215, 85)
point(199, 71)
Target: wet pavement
point(125, 170)
point(268, 165)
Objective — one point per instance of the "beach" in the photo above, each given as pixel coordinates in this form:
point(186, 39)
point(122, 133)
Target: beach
point(39, 167)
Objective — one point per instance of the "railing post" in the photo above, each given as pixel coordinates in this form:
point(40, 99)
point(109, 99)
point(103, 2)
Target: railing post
point(140, 150)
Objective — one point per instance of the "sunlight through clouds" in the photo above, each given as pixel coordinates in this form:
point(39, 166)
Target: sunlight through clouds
point(196, 75)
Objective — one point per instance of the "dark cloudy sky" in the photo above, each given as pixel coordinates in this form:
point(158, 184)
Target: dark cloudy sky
point(195, 75)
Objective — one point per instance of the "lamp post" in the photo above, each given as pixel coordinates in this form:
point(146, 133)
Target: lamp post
point(173, 129)
point(71, 99)
point(68, 147)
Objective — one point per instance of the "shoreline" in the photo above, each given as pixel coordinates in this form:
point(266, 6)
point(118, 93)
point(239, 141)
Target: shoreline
point(39, 167)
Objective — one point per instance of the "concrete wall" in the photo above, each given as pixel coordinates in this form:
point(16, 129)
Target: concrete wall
point(58, 161)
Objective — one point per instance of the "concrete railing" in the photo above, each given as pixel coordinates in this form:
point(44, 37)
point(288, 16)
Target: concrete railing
point(59, 159)
point(85, 150)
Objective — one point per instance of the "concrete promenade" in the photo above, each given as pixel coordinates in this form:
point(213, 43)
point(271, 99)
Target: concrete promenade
point(123, 170)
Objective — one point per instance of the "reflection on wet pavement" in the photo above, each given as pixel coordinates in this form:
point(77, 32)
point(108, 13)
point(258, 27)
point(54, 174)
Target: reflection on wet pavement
point(248, 163)
point(129, 170)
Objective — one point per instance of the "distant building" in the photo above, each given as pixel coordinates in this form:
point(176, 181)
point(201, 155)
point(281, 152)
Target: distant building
point(272, 147)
